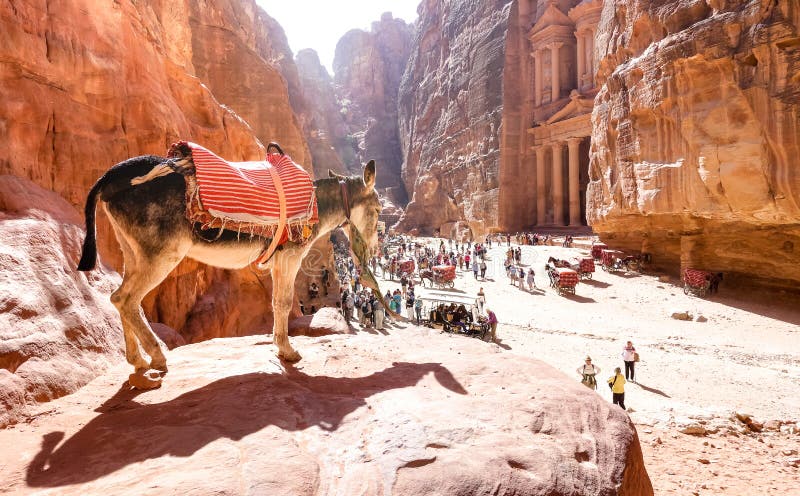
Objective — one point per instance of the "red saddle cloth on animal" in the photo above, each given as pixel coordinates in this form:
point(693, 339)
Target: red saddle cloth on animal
point(245, 193)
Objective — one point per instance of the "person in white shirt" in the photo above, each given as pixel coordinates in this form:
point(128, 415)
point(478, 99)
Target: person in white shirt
point(588, 371)
point(629, 357)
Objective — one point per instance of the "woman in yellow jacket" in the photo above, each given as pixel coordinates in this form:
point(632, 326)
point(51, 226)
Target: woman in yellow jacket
point(617, 385)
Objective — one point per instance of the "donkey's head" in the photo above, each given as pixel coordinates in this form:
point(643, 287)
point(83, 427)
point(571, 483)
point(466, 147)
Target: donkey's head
point(365, 206)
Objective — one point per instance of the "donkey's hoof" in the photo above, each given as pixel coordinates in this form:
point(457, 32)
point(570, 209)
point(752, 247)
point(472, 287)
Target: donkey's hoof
point(292, 356)
point(144, 380)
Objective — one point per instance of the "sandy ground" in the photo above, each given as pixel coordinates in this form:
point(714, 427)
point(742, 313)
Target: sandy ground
point(694, 376)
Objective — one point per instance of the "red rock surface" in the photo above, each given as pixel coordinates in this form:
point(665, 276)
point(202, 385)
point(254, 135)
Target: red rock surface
point(368, 67)
point(451, 105)
point(325, 321)
point(696, 137)
point(79, 96)
point(363, 414)
point(58, 329)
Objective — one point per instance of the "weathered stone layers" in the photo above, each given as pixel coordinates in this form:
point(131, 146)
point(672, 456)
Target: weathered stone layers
point(696, 134)
point(451, 105)
point(79, 96)
point(368, 67)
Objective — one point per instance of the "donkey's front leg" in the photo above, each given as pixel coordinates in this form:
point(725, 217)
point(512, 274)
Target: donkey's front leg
point(284, 271)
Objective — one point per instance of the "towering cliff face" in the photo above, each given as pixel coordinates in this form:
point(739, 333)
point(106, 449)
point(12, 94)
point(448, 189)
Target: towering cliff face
point(79, 96)
point(451, 105)
point(327, 131)
point(368, 68)
point(696, 134)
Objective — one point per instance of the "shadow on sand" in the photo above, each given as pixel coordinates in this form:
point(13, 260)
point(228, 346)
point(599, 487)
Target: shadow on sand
point(595, 283)
point(653, 390)
point(231, 408)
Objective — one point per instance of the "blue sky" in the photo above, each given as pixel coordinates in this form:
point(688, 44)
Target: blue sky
point(319, 24)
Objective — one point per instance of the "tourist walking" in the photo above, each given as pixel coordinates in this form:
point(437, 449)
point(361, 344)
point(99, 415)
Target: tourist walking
point(475, 268)
point(532, 279)
point(588, 371)
point(483, 269)
point(379, 313)
point(492, 319)
point(481, 300)
point(617, 385)
point(629, 357)
point(418, 309)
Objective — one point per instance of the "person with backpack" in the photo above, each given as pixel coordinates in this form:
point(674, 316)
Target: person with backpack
point(418, 309)
point(366, 312)
point(588, 371)
point(617, 385)
point(483, 269)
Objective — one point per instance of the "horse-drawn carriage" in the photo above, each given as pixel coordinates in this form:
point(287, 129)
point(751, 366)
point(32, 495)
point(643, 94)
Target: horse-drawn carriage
point(597, 250)
point(405, 268)
point(455, 314)
point(611, 260)
point(586, 267)
point(443, 276)
point(696, 281)
point(562, 279)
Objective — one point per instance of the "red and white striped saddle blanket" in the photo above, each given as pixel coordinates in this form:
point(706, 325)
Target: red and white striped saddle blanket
point(246, 196)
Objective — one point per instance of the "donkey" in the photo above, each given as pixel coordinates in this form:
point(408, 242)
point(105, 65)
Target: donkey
point(147, 214)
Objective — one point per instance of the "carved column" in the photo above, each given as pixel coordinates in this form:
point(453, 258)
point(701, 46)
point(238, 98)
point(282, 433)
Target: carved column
point(537, 77)
point(558, 183)
point(591, 63)
point(555, 71)
point(581, 59)
point(574, 182)
point(540, 191)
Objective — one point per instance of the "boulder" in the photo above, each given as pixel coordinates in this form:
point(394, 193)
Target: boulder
point(325, 321)
point(58, 329)
point(413, 412)
point(168, 335)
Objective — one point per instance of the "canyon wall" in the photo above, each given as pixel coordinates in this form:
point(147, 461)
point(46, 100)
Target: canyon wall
point(327, 135)
point(368, 67)
point(696, 135)
point(451, 106)
point(82, 93)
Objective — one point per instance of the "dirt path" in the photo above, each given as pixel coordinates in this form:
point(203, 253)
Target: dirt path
point(694, 375)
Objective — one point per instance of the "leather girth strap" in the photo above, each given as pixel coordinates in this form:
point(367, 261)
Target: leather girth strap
point(276, 238)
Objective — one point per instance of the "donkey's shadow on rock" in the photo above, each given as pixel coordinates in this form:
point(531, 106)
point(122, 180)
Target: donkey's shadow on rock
point(129, 432)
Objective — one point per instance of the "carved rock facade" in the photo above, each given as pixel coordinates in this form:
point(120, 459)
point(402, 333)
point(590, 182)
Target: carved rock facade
point(696, 134)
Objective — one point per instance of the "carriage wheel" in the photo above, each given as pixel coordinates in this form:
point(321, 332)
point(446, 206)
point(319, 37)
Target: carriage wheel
point(686, 289)
point(450, 284)
point(588, 275)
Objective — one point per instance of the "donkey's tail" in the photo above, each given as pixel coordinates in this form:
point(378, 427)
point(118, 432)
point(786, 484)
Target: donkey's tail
point(89, 252)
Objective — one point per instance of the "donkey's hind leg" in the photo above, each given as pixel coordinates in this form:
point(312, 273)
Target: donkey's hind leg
point(142, 274)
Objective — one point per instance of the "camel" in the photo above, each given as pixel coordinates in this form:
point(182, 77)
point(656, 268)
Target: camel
point(146, 208)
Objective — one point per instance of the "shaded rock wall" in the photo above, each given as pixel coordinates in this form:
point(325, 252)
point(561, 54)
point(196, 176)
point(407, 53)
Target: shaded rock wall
point(368, 67)
point(327, 134)
point(82, 94)
point(451, 106)
point(58, 329)
point(696, 134)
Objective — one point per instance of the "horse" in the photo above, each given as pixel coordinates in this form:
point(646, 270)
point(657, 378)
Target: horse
point(148, 216)
point(426, 274)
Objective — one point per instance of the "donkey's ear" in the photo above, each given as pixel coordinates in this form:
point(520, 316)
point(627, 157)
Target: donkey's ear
point(369, 174)
point(334, 175)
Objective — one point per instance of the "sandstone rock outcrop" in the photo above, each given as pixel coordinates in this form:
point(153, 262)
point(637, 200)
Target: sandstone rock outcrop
point(696, 134)
point(327, 136)
point(79, 97)
point(451, 105)
point(368, 67)
point(364, 414)
point(58, 329)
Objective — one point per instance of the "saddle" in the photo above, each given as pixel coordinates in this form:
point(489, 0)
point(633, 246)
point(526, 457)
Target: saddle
point(271, 199)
